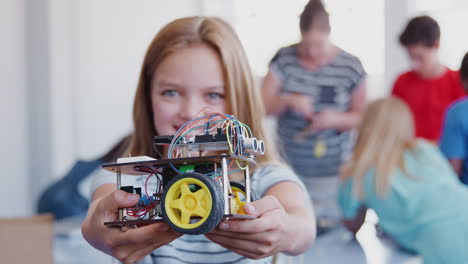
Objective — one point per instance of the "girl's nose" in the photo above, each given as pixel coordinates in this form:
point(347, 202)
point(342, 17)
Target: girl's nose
point(190, 109)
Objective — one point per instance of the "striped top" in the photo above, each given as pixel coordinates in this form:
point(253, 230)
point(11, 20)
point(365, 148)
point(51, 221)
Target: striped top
point(197, 249)
point(330, 87)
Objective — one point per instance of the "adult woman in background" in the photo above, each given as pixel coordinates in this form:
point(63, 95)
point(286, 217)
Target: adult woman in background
point(317, 92)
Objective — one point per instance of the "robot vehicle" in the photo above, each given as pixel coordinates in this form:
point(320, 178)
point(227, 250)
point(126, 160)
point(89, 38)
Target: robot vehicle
point(195, 189)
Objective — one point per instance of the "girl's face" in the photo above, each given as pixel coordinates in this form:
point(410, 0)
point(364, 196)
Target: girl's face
point(314, 45)
point(189, 83)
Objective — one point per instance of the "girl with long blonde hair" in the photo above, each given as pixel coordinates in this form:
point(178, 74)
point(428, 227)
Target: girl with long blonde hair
point(408, 183)
point(194, 66)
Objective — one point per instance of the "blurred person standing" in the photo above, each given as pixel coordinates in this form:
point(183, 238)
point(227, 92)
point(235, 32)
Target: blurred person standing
point(429, 87)
point(317, 91)
point(454, 139)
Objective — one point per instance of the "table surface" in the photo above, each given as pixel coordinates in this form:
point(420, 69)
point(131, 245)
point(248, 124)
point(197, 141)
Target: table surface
point(334, 247)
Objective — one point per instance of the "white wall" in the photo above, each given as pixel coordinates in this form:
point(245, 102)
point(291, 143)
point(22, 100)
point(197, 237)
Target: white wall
point(13, 137)
point(396, 16)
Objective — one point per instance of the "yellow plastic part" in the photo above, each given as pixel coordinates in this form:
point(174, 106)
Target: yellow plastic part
point(234, 206)
point(182, 203)
point(320, 148)
point(239, 204)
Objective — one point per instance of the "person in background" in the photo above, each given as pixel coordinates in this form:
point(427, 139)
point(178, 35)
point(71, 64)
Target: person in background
point(429, 87)
point(408, 183)
point(317, 92)
point(172, 90)
point(454, 140)
point(69, 196)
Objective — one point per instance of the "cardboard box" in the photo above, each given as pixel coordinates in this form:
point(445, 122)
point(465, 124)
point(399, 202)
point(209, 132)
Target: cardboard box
point(26, 240)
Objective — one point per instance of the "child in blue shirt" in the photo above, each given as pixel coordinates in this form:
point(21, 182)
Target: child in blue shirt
point(454, 140)
point(408, 183)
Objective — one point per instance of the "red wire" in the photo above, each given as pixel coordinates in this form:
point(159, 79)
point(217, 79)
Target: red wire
point(146, 183)
point(143, 210)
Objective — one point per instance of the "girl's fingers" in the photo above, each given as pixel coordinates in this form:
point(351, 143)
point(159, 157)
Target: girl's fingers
point(267, 223)
point(270, 213)
point(264, 230)
point(263, 205)
point(117, 199)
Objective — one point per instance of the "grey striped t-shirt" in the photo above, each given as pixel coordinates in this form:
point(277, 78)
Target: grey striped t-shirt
point(330, 87)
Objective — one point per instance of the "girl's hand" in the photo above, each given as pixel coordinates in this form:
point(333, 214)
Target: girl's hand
point(128, 246)
point(301, 104)
point(257, 238)
point(327, 119)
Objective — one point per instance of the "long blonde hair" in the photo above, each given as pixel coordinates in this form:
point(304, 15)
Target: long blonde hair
point(242, 99)
point(385, 133)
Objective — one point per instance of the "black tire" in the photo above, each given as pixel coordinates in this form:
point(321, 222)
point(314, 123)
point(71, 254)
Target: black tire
point(217, 200)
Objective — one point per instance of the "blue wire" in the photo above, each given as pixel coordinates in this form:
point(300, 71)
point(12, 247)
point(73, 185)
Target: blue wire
point(175, 140)
point(237, 130)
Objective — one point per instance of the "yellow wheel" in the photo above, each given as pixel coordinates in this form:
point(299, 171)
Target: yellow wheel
point(192, 203)
point(240, 196)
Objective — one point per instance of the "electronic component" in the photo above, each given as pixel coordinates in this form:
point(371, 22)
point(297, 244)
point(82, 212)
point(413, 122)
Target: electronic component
point(168, 174)
point(137, 190)
point(146, 201)
point(261, 147)
point(163, 140)
point(128, 189)
point(206, 168)
point(249, 146)
point(131, 189)
point(193, 189)
point(204, 138)
point(134, 159)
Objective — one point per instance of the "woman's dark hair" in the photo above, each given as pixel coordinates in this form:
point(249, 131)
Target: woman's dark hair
point(464, 68)
point(314, 16)
point(422, 30)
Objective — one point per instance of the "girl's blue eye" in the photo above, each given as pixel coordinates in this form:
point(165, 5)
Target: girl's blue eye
point(215, 96)
point(169, 93)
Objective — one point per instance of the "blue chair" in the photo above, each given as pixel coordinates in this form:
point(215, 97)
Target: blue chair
point(63, 198)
